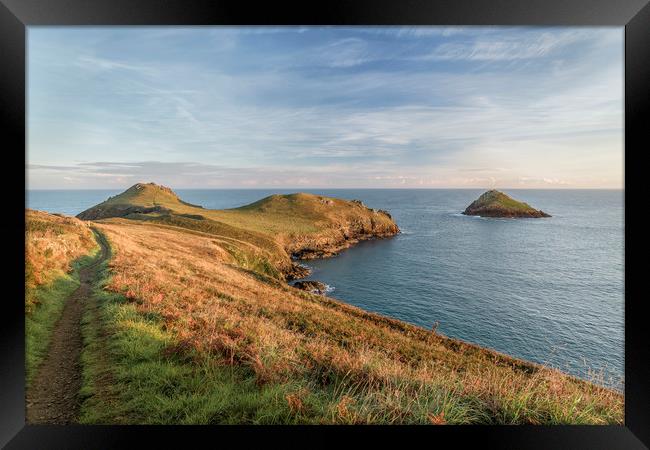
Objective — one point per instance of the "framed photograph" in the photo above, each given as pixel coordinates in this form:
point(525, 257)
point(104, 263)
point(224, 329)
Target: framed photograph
point(378, 219)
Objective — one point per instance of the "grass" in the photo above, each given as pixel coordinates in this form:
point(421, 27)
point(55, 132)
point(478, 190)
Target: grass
point(40, 323)
point(52, 243)
point(152, 383)
point(158, 382)
point(193, 338)
point(496, 199)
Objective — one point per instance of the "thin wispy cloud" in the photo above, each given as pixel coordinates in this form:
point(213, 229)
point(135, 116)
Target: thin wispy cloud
point(507, 48)
point(325, 106)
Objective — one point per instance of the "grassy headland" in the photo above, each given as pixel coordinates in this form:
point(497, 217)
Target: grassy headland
point(196, 324)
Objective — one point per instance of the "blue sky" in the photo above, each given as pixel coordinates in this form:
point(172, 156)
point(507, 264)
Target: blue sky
point(325, 107)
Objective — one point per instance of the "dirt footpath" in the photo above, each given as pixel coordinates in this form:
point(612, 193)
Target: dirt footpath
point(53, 395)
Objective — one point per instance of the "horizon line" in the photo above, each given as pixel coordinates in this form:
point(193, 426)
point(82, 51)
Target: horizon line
point(344, 188)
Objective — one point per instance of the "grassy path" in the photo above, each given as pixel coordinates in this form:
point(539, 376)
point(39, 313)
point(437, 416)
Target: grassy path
point(52, 396)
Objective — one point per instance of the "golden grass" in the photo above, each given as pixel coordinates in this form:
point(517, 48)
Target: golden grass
point(52, 243)
point(383, 370)
point(293, 221)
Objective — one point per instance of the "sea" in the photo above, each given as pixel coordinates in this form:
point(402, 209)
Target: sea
point(546, 290)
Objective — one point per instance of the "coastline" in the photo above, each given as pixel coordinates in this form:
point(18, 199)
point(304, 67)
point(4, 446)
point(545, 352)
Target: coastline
point(502, 357)
point(216, 286)
point(203, 306)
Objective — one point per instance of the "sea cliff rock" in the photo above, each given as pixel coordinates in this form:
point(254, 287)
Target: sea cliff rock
point(296, 271)
point(341, 236)
point(315, 287)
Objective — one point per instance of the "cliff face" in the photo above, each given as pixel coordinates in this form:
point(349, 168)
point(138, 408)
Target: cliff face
point(497, 204)
point(340, 236)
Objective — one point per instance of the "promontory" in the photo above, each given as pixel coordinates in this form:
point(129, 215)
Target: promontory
point(266, 234)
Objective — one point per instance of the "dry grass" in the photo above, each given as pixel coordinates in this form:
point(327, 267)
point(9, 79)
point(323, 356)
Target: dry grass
point(52, 244)
point(349, 366)
point(55, 248)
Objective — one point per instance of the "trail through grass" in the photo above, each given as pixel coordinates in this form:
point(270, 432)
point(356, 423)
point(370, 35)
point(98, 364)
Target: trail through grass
point(41, 320)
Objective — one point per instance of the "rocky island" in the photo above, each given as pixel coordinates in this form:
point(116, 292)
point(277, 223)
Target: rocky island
point(494, 203)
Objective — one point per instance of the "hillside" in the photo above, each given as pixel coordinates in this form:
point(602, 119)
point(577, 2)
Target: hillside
point(201, 340)
point(52, 244)
point(192, 321)
point(494, 203)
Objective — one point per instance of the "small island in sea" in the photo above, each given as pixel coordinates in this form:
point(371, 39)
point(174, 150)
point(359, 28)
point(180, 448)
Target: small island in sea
point(495, 203)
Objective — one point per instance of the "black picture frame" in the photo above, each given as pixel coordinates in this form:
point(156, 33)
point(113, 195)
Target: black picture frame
point(16, 15)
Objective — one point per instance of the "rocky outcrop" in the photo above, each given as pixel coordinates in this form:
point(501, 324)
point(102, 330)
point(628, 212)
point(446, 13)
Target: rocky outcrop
point(296, 272)
point(315, 287)
point(331, 243)
point(497, 204)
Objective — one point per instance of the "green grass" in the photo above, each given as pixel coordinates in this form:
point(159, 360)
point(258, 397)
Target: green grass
point(41, 321)
point(495, 198)
point(143, 194)
point(152, 384)
point(216, 228)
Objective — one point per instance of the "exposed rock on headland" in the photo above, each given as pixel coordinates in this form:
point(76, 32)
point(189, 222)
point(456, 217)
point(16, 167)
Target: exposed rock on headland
point(315, 287)
point(494, 203)
point(296, 272)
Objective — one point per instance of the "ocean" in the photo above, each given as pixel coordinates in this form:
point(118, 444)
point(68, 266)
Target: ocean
point(549, 290)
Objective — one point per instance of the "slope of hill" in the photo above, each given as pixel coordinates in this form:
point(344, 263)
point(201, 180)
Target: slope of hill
point(200, 339)
point(53, 242)
point(497, 204)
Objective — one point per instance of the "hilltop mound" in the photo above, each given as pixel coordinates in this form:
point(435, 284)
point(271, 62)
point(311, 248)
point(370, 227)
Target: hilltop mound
point(141, 198)
point(494, 203)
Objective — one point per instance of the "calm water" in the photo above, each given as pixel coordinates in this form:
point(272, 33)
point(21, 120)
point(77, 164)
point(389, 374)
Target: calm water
point(546, 290)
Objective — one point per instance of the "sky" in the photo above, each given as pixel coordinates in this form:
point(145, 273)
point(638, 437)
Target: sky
point(325, 107)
